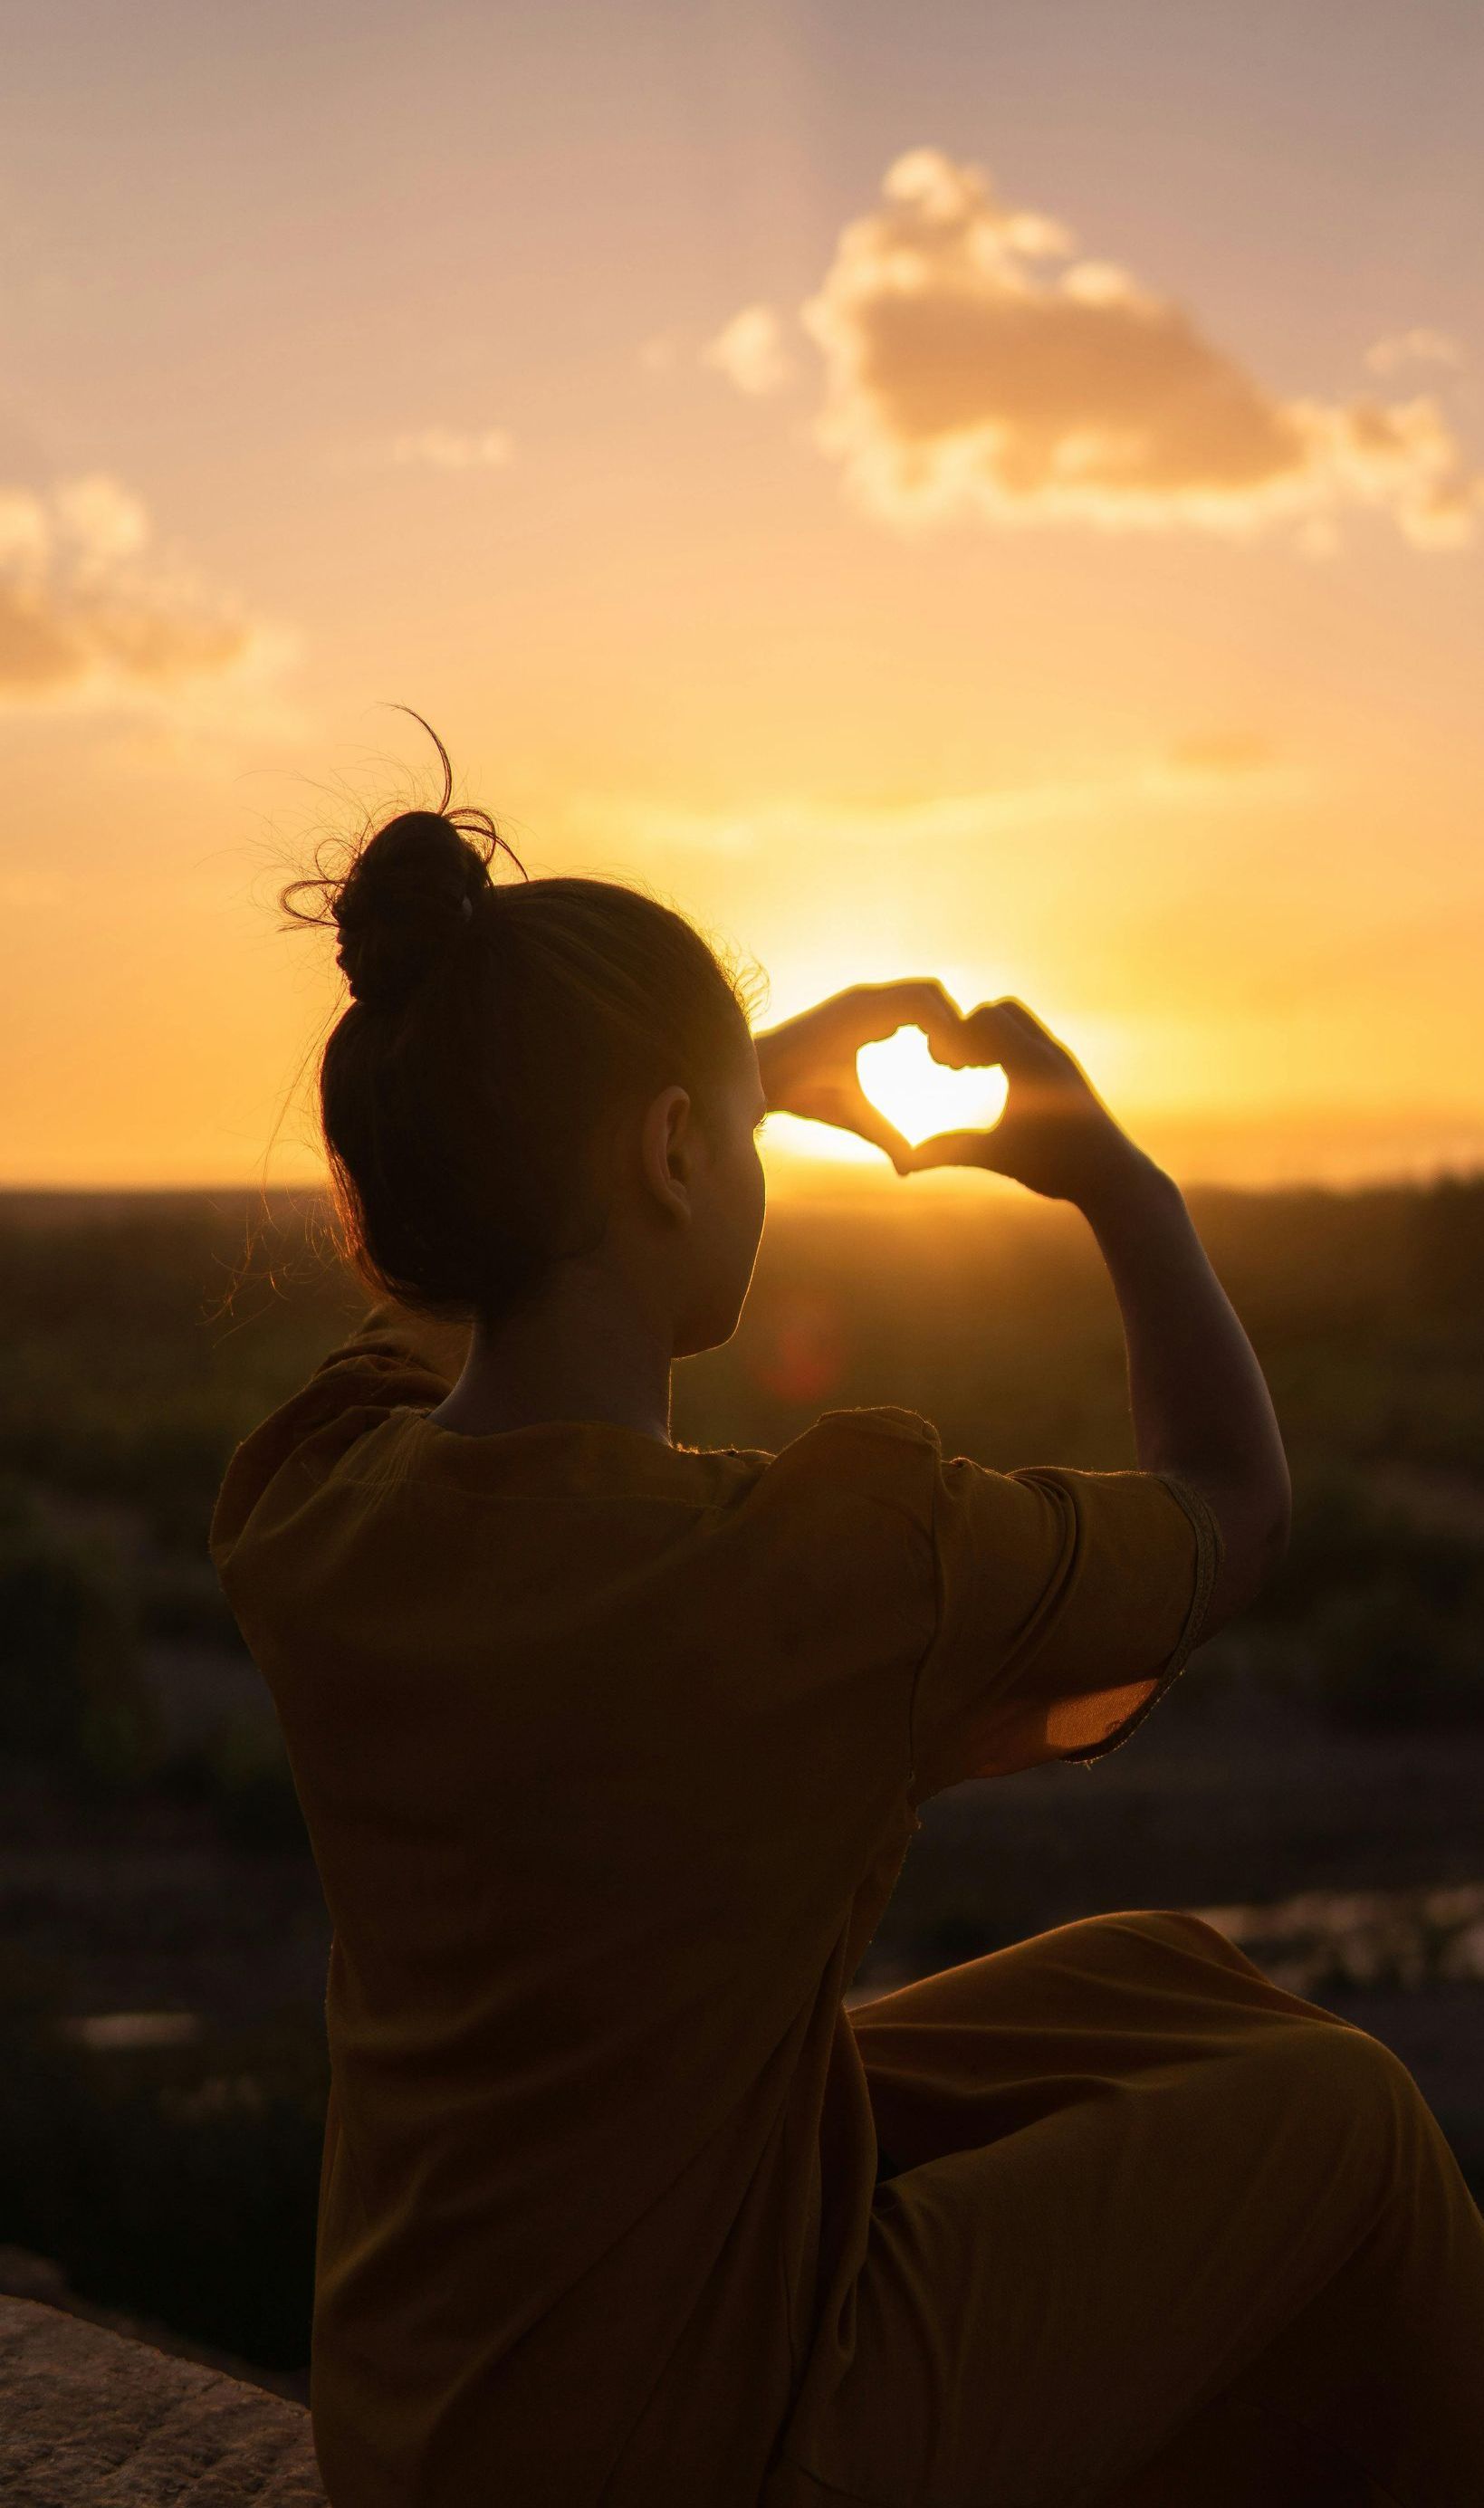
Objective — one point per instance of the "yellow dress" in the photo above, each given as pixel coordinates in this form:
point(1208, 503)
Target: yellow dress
point(610, 1753)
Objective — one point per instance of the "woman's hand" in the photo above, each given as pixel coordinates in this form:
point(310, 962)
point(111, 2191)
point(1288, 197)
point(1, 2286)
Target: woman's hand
point(1056, 1135)
point(807, 1065)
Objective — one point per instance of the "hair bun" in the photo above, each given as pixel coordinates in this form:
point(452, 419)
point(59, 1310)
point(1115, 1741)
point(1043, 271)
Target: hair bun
point(404, 904)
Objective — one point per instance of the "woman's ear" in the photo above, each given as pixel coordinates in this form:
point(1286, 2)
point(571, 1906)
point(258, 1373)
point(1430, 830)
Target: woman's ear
point(667, 1145)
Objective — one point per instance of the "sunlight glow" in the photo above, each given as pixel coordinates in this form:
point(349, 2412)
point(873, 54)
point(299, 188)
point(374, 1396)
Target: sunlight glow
point(983, 572)
point(790, 1141)
point(921, 1096)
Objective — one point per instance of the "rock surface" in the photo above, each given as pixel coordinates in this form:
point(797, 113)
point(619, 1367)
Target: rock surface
point(91, 2419)
point(24, 2274)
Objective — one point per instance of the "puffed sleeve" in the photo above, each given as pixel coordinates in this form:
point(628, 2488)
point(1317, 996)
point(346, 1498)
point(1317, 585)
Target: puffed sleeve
point(1066, 1603)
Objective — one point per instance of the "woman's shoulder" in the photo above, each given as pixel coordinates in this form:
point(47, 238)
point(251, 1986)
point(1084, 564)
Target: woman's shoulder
point(873, 1420)
point(388, 1362)
point(877, 1452)
point(870, 1431)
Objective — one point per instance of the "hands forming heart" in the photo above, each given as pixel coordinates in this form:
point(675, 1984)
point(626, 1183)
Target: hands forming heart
point(808, 1064)
point(1054, 1135)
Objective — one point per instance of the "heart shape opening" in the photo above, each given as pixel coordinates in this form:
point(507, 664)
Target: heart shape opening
point(921, 1096)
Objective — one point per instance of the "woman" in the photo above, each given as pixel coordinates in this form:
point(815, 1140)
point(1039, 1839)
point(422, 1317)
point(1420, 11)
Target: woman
point(611, 1749)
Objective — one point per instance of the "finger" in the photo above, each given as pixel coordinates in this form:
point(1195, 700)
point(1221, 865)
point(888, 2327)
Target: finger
point(842, 1103)
point(995, 1036)
point(1005, 1032)
point(916, 1001)
point(957, 1149)
point(1034, 1029)
point(873, 1126)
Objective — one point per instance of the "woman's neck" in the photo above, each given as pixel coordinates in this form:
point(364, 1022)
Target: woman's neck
point(578, 1352)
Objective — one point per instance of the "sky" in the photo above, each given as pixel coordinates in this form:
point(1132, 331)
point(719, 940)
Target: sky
point(988, 490)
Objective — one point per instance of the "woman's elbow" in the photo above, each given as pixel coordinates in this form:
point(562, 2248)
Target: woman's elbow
point(1255, 1528)
point(1270, 1541)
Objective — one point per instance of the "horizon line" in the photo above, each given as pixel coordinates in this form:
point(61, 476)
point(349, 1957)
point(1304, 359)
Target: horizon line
point(835, 1178)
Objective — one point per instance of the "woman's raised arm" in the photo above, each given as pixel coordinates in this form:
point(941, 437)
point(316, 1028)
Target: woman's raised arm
point(1200, 1405)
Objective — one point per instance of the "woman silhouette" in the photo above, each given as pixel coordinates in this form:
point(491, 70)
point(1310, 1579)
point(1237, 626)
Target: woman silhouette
point(611, 1749)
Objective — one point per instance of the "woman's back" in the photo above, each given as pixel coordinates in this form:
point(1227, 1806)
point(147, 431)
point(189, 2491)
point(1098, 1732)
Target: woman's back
point(607, 1752)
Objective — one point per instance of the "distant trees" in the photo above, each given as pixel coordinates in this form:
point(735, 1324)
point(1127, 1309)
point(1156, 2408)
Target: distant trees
point(241, 1772)
point(1387, 1609)
point(71, 1685)
point(1447, 1242)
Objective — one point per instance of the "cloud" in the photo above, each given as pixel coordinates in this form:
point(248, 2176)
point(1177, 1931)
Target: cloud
point(1408, 348)
point(448, 448)
point(750, 351)
point(1205, 754)
point(976, 365)
point(1217, 769)
point(84, 614)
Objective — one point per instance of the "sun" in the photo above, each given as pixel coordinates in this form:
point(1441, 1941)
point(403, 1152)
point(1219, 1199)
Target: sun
point(921, 1096)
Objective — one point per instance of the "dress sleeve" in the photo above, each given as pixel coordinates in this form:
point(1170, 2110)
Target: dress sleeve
point(1067, 1604)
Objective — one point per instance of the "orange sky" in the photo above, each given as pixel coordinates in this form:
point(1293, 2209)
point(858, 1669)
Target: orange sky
point(995, 495)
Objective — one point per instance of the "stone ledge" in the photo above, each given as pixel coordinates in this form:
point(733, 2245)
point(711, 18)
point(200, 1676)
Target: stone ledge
point(92, 2419)
point(24, 2274)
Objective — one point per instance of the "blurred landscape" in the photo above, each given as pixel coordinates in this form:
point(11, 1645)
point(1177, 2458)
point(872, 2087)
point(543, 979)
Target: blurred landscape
point(1314, 1779)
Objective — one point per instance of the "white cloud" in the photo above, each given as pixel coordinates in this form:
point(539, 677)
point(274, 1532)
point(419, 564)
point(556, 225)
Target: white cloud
point(85, 615)
point(750, 351)
point(975, 366)
point(1413, 347)
point(449, 448)
point(1218, 769)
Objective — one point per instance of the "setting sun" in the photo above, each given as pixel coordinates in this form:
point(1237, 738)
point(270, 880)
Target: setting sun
point(921, 1096)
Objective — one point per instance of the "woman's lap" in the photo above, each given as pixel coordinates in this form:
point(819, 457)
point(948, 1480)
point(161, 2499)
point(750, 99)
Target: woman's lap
point(1128, 2162)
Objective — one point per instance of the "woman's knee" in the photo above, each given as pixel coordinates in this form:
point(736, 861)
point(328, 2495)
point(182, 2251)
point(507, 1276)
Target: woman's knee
point(1357, 2098)
point(1178, 1929)
point(1201, 1934)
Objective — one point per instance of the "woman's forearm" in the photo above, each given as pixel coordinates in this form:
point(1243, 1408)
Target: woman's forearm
point(1201, 1407)
point(1199, 1402)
